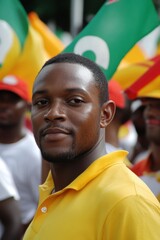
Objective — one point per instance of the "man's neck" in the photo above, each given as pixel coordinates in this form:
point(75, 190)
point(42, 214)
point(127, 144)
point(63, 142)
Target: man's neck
point(65, 172)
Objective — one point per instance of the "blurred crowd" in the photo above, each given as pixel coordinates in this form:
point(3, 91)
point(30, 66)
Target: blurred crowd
point(135, 128)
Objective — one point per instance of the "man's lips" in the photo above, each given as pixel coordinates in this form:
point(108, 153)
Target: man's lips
point(55, 133)
point(4, 114)
point(54, 130)
point(153, 121)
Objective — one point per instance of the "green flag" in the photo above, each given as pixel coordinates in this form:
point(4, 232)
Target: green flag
point(114, 30)
point(13, 13)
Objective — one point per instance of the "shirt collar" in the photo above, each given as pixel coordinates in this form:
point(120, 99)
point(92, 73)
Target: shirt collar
point(90, 173)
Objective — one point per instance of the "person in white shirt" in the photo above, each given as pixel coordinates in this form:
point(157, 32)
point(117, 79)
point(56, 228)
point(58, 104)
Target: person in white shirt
point(10, 219)
point(17, 145)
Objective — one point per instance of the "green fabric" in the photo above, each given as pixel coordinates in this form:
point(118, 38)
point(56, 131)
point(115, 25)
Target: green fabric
point(113, 31)
point(14, 14)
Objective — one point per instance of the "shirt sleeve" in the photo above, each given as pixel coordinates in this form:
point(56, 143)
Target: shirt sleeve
point(133, 218)
point(7, 185)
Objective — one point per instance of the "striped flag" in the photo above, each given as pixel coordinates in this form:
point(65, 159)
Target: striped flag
point(114, 30)
point(147, 84)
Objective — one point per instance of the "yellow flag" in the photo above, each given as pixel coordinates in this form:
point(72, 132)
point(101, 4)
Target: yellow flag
point(25, 42)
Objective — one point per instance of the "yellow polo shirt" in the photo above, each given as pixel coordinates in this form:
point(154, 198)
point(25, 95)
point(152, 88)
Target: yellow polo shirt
point(106, 202)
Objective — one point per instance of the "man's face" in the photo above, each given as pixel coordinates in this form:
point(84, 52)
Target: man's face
point(12, 109)
point(138, 120)
point(152, 119)
point(65, 111)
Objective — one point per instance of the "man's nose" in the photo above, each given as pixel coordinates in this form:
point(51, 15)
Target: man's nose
point(55, 112)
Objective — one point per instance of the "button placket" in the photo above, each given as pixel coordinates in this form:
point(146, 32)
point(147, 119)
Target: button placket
point(44, 209)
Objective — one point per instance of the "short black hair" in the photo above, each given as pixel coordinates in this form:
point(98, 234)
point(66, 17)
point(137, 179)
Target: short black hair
point(100, 79)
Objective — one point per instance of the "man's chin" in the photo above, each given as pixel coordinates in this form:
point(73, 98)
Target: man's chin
point(58, 158)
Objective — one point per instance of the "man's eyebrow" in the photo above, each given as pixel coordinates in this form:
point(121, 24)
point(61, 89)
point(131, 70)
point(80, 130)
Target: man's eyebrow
point(39, 92)
point(67, 91)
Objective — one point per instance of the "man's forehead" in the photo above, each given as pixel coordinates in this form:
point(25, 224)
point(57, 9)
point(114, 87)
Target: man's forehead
point(69, 72)
point(65, 66)
point(68, 76)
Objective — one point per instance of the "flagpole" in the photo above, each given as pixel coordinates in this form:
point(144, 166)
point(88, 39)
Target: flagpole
point(76, 16)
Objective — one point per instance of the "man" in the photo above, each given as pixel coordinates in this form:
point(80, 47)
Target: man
point(10, 220)
point(112, 130)
point(17, 145)
point(148, 169)
point(87, 195)
point(140, 149)
point(121, 117)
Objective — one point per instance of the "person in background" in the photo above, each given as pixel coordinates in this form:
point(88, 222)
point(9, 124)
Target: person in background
point(88, 194)
point(121, 116)
point(10, 219)
point(140, 150)
point(148, 169)
point(112, 131)
point(17, 145)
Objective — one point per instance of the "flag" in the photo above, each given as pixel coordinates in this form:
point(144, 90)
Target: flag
point(13, 33)
point(146, 48)
point(52, 43)
point(147, 81)
point(128, 75)
point(113, 31)
point(135, 54)
point(23, 48)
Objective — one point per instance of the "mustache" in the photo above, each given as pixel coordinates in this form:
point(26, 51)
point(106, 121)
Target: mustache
point(54, 128)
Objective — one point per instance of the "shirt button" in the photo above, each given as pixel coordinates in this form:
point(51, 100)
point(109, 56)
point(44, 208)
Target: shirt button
point(43, 209)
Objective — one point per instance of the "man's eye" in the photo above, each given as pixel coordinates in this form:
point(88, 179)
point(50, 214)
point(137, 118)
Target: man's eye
point(42, 102)
point(76, 101)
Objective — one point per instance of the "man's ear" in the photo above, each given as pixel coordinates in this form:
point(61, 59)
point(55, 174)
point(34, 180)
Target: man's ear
point(107, 113)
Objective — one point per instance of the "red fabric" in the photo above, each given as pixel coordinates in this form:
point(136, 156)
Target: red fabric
point(141, 167)
point(116, 93)
point(14, 84)
point(28, 123)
